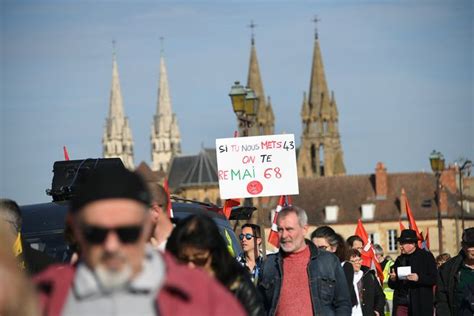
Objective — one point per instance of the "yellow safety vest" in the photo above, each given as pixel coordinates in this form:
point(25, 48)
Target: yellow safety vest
point(386, 274)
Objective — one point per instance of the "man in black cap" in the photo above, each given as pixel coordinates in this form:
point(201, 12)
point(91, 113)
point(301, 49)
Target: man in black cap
point(412, 277)
point(455, 290)
point(117, 273)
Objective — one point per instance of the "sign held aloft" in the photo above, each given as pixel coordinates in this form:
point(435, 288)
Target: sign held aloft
point(257, 166)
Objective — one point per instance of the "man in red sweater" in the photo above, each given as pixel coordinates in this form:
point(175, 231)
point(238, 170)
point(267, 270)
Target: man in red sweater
point(301, 279)
point(117, 273)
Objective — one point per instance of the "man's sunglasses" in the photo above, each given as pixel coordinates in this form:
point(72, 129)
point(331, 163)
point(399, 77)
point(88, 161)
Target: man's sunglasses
point(247, 236)
point(97, 235)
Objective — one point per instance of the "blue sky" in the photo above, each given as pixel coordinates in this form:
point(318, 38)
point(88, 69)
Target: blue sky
point(402, 73)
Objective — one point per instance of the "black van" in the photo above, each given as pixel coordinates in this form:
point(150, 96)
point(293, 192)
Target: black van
point(44, 224)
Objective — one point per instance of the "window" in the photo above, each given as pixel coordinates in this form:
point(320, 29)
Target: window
point(331, 213)
point(374, 238)
point(392, 240)
point(368, 211)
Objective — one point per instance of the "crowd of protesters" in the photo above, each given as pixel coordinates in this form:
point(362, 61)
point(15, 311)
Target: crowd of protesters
point(130, 259)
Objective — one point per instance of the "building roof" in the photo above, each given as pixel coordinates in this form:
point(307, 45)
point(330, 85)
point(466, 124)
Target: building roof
point(196, 170)
point(149, 175)
point(350, 192)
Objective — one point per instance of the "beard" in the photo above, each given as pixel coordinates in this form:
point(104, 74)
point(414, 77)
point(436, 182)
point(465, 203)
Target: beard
point(112, 280)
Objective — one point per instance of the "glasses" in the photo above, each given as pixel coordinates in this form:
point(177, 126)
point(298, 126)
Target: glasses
point(356, 260)
point(199, 261)
point(96, 235)
point(247, 236)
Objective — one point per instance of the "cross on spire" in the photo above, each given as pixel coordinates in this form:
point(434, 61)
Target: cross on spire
point(252, 27)
point(162, 43)
point(316, 20)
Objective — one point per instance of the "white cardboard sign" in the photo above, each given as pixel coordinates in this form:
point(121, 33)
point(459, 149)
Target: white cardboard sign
point(257, 166)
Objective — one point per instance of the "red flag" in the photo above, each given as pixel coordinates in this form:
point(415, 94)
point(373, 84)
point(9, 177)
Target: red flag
point(169, 210)
point(66, 155)
point(360, 231)
point(228, 205)
point(284, 200)
point(411, 220)
point(368, 254)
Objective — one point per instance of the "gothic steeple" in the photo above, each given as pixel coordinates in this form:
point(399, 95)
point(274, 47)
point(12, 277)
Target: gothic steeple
point(264, 121)
point(165, 135)
point(117, 140)
point(321, 151)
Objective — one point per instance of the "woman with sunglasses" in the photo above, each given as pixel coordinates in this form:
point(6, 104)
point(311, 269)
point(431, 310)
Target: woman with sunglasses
point(251, 257)
point(196, 241)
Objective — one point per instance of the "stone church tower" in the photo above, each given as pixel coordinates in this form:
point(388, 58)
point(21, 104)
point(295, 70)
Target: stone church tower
point(320, 153)
point(265, 120)
point(117, 140)
point(165, 137)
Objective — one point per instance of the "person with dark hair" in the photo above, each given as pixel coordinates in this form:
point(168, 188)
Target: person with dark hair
point(251, 257)
point(196, 241)
point(412, 277)
point(455, 290)
point(369, 293)
point(302, 279)
point(31, 260)
point(118, 272)
point(325, 238)
point(355, 242)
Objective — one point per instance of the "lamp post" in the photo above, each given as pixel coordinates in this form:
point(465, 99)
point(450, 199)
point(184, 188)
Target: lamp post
point(244, 103)
point(466, 165)
point(437, 165)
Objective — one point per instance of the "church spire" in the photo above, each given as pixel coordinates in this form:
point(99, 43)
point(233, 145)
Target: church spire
point(254, 82)
point(321, 151)
point(165, 135)
point(117, 140)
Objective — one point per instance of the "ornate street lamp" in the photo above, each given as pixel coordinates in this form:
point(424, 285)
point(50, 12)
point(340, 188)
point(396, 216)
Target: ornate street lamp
point(437, 165)
point(245, 104)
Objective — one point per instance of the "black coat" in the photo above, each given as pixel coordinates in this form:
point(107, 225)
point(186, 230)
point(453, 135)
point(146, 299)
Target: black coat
point(35, 260)
point(349, 273)
point(448, 279)
point(246, 292)
point(371, 294)
point(420, 293)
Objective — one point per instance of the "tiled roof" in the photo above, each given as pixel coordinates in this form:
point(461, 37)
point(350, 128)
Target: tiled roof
point(350, 192)
point(194, 170)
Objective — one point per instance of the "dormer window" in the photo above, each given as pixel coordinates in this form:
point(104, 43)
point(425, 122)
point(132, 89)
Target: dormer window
point(332, 212)
point(368, 211)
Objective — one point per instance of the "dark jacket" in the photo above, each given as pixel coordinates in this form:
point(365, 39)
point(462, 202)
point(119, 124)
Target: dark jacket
point(371, 294)
point(420, 293)
point(349, 274)
point(184, 292)
point(35, 260)
point(448, 280)
point(328, 286)
point(244, 290)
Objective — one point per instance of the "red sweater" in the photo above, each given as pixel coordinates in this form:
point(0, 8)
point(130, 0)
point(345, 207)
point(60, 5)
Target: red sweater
point(295, 296)
point(185, 292)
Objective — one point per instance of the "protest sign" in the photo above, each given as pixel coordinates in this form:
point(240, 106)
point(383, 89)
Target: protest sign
point(257, 166)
